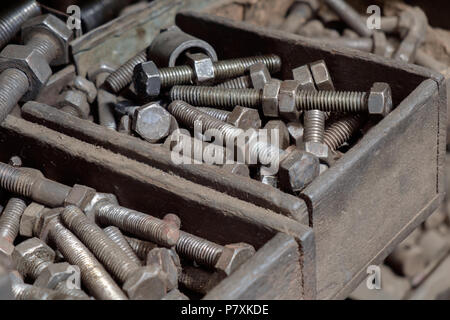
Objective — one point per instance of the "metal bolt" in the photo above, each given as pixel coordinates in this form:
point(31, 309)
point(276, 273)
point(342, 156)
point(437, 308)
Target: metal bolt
point(123, 76)
point(140, 247)
point(299, 14)
point(11, 21)
point(118, 238)
point(24, 291)
point(10, 219)
point(199, 280)
point(334, 101)
point(349, 16)
point(149, 80)
point(244, 118)
point(242, 82)
point(341, 130)
point(96, 279)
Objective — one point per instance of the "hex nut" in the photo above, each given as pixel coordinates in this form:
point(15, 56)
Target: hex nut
point(244, 118)
point(30, 218)
point(296, 131)
point(147, 283)
point(380, 99)
point(321, 75)
point(6, 247)
point(57, 29)
point(203, 67)
point(320, 150)
point(146, 79)
point(304, 76)
point(152, 122)
point(233, 256)
point(30, 62)
point(87, 87)
point(270, 98)
point(30, 249)
point(169, 262)
point(79, 196)
point(54, 274)
point(77, 100)
point(287, 106)
point(260, 75)
point(297, 170)
point(277, 128)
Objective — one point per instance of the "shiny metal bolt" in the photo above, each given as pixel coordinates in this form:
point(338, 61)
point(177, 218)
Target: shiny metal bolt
point(341, 130)
point(123, 76)
point(10, 219)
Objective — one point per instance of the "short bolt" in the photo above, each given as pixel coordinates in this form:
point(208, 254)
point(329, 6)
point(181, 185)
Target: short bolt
point(123, 76)
point(341, 130)
point(118, 238)
point(10, 219)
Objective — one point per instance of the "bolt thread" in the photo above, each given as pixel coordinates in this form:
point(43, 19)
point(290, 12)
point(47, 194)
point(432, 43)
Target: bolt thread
point(11, 22)
point(221, 115)
point(123, 76)
point(10, 219)
point(265, 152)
point(36, 265)
point(118, 238)
point(137, 223)
point(17, 180)
point(244, 82)
point(188, 115)
point(200, 250)
point(76, 293)
point(335, 101)
point(227, 69)
point(140, 247)
point(28, 292)
point(217, 97)
point(45, 44)
point(13, 85)
point(106, 250)
point(70, 110)
point(342, 130)
point(96, 279)
point(175, 76)
point(314, 126)
point(195, 279)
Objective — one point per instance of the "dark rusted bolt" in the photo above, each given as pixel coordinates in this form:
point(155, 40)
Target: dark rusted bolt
point(152, 122)
point(341, 130)
point(149, 80)
point(240, 117)
point(349, 16)
point(138, 282)
point(10, 219)
point(118, 238)
point(300, 12)
point(334, 101)
point(93, 275)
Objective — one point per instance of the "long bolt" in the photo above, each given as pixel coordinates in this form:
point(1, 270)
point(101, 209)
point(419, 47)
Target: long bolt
point(107, 251)
point(118, 238)
point(335, 101)
point(141, 247)
point(242, 82)
point(137, 223)
point(123, 76)
point(349, 16)
point(10, 219)
point(197, 249)
point(94, 276)
point(12, 20)
point(342, 130)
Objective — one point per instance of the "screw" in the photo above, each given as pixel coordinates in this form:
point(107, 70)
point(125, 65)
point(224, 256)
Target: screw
point(10, 219)
point(335, 101)
point(96, 279)
point(242, 82)
point(24, 291)
point(123, 76)
point(12, 20)
point(150, 80)
point(349, 16)
point(118, 238)
point(140, 247)
point(342, 130)
point(244, 118)
point(197, 249)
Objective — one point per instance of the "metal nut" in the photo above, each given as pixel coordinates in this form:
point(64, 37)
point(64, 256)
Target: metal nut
point(380, 99)
point(270, 98)
point(54, 274)
point(28, 249)
point(152, 122)
point(244, 118)
point(321, 75)
point(79, 196)
point(304, 76)
point(260, 75)
point(51, 25)
point(146, 79)
point(287, 107)
point(296, 131)
point(203, 67)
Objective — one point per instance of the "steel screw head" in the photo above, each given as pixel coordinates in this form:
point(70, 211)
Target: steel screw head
point(260, 75)
point(287, 105)
point(297, 170)
point(147, 80)
point(152, 122)
point(30, 218)
point(244, 118)
point(380, 99)
point(270, 98)
point(233, 256)
point(203, 67)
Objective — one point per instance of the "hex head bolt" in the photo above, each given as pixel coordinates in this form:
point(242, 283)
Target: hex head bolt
point(349, 16)
point(378, 101)
point(149, 80)
point(137, 223)
point(118, 238)
point(243, 118)
point(341, 130)
point(11, 21)
point(10, 219)
point(25, 69)
point(299, 14)
point(93, 275)
point(32, 184)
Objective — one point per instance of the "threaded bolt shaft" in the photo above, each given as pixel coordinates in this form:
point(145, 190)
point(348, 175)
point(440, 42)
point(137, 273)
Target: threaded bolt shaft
point(35, 265)
point(195, 279)
point(197, 249)
point(12, 20)
point(96, 279)
point(243, 82)
point(118, 238)
point(314, 121)
point(140, 247)
point(10, 219)
point(13, 85)
point(334, 101)
point(342, 130)
point(123, 76)
point(137, 223)
point(45, 44)
point(106, 250)
point(76, 293)
point(24, 291)
point(221, 115)
point(349, 16)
